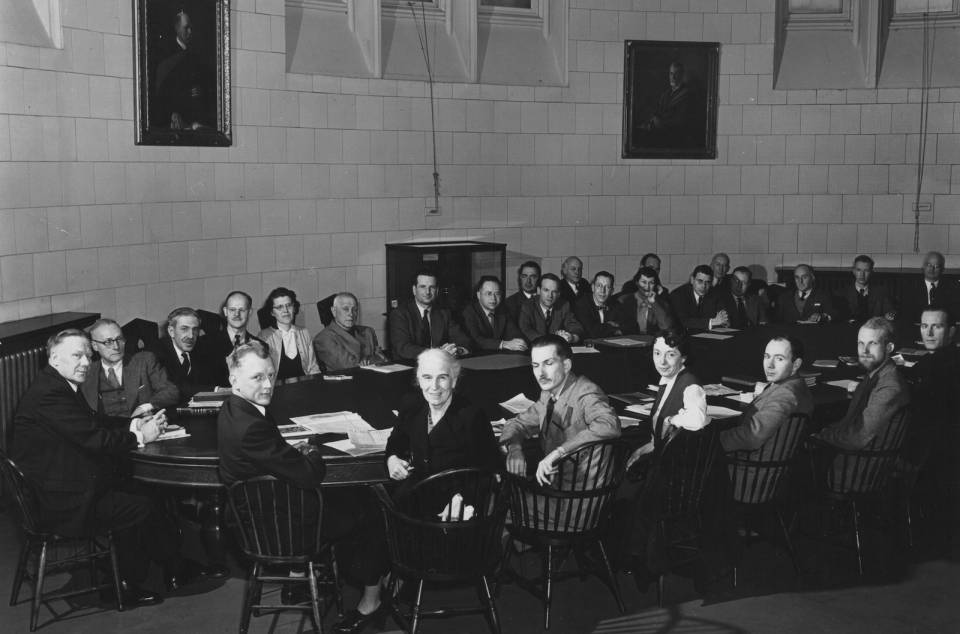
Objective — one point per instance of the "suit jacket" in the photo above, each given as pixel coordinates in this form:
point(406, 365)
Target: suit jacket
point(338, 350)
point(934, 403)
point(588, 315)
point(660, 317)
point(187, 385)
point(567, 294)
point(787, 313)
point(462, 438)
point(404, 322)
point(755, 305)
point(688, 312)
point(766, 414)
point(482, 335)
point(514, 303)
point(913, 298)
point(273, 338)
point(211, 355)
point(670, 407)
point(250, 445)
point(534, 324)
point(871, 408)
point(581, 415)
point(67, 450)
point(846, 299)
point(144, 381)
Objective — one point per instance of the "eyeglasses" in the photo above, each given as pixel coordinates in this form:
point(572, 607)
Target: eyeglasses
point(110, 343)
point(283, 307)
point(237, 311)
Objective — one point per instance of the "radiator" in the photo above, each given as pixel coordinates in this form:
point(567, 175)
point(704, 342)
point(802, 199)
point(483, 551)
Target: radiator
point(17, 372)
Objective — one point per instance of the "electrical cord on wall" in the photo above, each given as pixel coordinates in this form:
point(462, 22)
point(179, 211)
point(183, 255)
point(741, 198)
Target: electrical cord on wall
point(425, 49)
point(926, 77)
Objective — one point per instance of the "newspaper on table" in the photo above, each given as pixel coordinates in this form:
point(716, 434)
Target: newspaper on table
point(717, 389)
point(517, 404)
point(387, 368)
point(333, 423)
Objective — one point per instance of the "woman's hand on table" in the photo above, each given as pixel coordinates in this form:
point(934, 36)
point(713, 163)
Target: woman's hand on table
point(398, 468)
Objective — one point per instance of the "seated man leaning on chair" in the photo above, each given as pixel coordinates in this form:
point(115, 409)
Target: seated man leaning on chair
point(784, 394)
point(69, 453)
point(122, 384)
point(345, 344)
point(571, 412)
point(250, 445)
point(418, 323)
point(548, 314)
point(487, 322)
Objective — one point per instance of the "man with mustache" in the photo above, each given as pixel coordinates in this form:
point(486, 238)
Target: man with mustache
point(175, 351)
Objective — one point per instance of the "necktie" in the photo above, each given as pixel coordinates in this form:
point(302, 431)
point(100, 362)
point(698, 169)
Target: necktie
point(803, 296)
point(237, 340)
point(932, 295)
point(742, 313)
point(548, 416)
point(493, 328)
point(112, 378)
point(425, 337)
point(862, 304)
point(600, 311)
point(186, 364)
point(863, 292)
point(548, 317)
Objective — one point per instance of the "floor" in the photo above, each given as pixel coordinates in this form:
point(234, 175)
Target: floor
point(900, 592)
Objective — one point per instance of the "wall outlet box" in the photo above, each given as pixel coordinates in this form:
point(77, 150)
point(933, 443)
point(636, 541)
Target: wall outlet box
point(925, 208)
point(430, 210)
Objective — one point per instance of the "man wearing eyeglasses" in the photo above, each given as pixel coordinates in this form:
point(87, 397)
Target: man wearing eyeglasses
point(125, 385)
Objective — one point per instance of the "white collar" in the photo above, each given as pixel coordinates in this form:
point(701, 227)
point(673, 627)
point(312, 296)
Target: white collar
point(117, 367)
point(233, 332)
point(260, 408)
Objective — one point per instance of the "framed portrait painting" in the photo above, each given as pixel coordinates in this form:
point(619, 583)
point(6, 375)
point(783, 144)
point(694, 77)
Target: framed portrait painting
point(670, 99)
point(182, 71)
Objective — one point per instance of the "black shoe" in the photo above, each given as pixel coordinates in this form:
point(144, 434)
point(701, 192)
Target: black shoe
point(214, 571)
point(133, 596)
point(353, 622)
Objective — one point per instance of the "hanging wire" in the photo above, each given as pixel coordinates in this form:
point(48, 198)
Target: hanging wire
point(425, 49)
point(926, 79)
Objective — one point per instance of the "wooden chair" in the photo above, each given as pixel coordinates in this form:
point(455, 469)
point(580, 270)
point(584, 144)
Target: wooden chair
point(211, 322)
point(278, 525)
point(671, 500)
point(323, 309)
point(573, 513)
point(77, 553)
point(425, 547)
point(848, 476)
point(760, 478)
point(140, 335)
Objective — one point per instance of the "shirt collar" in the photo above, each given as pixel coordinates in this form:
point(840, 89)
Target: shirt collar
point(260, 408)
point(422, 307)
point(233, 332)
point(117, 367)
point(566, 383)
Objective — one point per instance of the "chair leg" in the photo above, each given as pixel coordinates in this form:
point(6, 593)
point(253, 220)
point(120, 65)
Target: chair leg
point(856, 536)
point(614, 584)
point(660, 591)
point(115, 571)
point(314, 598)
point(38, 588)
point(734, 577)
point(415, 617)
point(335, 568)
point(789, 542)
point(548, 587)
point(908, 517)
point(491, 606)
point(21, 570)
point(248, 597)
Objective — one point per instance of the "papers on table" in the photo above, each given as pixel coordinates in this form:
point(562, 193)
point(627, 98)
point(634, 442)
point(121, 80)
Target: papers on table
point(632, 398)
point(845, 384)
point(913, 351)
point(900, 360)
point(722, 329)
point(626, 342)
point(375, 439)
point(387, 368)
point(716, 389)
point(349, 448)
point(629, 421)
point(517, 404)
point(742, 397)
point(826, 363)
point(712, 335)
point(172, 434)
point(640, 408)
point(849, 360)
point(584, 350)
point(294, 431)
point(209, 400)
point(718, 411)
point(332, 423)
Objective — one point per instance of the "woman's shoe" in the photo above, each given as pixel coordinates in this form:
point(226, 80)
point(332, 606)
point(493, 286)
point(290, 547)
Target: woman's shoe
point(353, 621)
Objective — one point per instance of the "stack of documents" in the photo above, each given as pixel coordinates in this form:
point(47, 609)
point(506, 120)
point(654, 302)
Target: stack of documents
point(387, 368)
point(517, 404)
point(203, 400)
point(716, 389)
point(333, 423)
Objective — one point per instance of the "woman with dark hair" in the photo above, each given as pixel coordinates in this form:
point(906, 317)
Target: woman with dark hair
point(291, 346)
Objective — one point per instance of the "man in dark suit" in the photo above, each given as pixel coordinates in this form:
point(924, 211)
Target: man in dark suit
point(487, 322)
point(573, 286)
point(250, 445)
point(720, 265)
point(878, 396)
point(784, 394)
point(214, 347)
point(599, 316)
point(860, 300)
point(694, 305)
point(528, 276)
point(743, 310)
point(175, 352)
point(932, 290)
point(646, 311)
point(417, 324)
point(125, 385)
point(806, 303)
point(69, 453)
point(548, 315)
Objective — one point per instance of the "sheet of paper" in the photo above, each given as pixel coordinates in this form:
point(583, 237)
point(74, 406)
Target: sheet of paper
point(294, 431)
point(388, 368)
point(712, 335)
point(640, 408)
point(204, 404)
point(716, 389)
point(629, 421)
point(176, 433)
point(826, 363)
point(718, 411)
point(845, 384)
point(375, 439)
point(722, 329)
point(584, 350)
point(347, 447)
point(517, 404)
point(742, 397)
point(333, 423)
point(633, 397)
point(624, 341)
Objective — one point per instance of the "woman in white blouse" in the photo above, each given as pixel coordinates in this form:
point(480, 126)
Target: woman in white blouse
point(291, 346)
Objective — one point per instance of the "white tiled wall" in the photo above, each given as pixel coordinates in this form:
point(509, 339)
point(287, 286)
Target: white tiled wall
point(325, 170)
